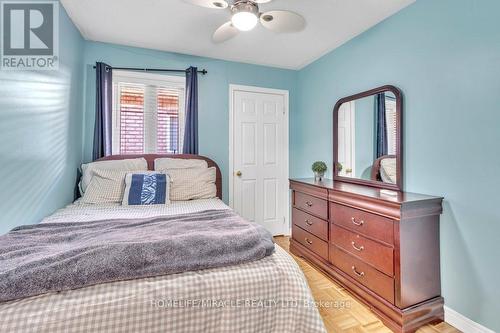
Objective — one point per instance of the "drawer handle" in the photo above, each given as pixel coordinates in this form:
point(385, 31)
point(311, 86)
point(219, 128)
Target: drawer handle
point(360, 274)
point(309, 203)
point(309, 223)
point(361, 248)
point(308, 241)
point(359, 224)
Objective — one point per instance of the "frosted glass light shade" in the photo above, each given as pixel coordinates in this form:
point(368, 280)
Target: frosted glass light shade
point(244, 21)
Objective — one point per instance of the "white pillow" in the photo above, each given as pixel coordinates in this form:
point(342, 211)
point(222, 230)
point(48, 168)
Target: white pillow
point(125, 165)
point(190, 184)
point(152, 189)
point(106, 186)
point(179, 163)
point(388, 170)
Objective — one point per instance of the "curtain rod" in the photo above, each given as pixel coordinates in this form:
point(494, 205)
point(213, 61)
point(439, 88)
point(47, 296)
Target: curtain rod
point(203, 71)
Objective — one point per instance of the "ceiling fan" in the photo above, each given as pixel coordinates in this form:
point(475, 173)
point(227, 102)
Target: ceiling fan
point(246, 15)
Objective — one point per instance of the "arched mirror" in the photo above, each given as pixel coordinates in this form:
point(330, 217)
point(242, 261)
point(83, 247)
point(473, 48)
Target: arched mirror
point(367, 144)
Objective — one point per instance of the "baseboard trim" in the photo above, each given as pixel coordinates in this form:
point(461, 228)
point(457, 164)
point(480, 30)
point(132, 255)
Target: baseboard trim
point(463, 323)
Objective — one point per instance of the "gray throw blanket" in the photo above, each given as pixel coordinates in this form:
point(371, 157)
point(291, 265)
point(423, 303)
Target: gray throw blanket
point(41, 258)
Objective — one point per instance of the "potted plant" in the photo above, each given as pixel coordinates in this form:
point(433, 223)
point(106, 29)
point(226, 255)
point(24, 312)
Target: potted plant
point(319, 168)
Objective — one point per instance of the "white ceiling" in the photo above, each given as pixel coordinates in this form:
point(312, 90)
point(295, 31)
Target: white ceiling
point(176, 26)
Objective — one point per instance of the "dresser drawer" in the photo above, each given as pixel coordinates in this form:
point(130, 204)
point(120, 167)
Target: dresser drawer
point(374, 253)
point(313, 205)
point(367, 224)
point(313, 243)
point(374, 280)
point(309, 223)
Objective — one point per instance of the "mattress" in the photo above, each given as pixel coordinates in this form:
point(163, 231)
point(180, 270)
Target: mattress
point(81, 212)
point(268, 295)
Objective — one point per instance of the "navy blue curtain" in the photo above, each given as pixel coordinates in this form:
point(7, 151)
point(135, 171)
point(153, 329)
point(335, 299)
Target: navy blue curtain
point(381, 126)
point(191, 128)
point(103, 111)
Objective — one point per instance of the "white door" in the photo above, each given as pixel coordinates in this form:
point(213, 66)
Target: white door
point(346, 139)
point(259, 152)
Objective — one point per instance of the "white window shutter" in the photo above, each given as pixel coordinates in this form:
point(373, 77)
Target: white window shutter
point(148, 113)
point(150, 120)
point(390, 114)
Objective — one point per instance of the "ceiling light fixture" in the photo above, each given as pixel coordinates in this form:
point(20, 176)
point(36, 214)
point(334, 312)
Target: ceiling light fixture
point(245, 15)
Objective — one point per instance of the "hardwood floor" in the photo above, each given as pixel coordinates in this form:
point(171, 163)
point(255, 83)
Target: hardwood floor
point(347, 315)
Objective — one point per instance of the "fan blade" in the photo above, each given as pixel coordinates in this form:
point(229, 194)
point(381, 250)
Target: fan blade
point(225, 32)
point(216, 4)
point(282, 21)
point(262, 1)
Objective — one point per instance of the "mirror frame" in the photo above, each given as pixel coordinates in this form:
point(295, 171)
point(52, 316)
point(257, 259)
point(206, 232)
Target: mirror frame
point(399, 139)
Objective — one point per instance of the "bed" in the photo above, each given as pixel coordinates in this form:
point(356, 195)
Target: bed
point(384, 169)
point(268, 295)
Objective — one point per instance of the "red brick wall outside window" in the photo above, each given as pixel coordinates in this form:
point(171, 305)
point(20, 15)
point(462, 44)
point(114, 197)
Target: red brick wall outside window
point(168, 123)
point(132, 120)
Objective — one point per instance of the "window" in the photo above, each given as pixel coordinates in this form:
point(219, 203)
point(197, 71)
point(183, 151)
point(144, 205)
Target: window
point(390, 116)
point(168, 121)
point(148, 113)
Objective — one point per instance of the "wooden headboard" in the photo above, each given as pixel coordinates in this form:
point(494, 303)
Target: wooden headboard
point(150, 158)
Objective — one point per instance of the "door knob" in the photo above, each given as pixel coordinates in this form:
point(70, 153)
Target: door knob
point(238, 173)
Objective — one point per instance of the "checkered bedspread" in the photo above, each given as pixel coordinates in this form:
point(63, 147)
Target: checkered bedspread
point(269, 295)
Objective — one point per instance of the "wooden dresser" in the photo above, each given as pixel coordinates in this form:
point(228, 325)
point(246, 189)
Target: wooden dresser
point(383, 246)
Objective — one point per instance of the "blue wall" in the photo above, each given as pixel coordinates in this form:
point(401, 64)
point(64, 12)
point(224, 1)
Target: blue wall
point(40, 134)
point(445, 56)
point(213, 91)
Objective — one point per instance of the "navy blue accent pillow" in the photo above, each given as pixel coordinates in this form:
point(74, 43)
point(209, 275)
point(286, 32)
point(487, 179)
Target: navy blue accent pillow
point(146, 189)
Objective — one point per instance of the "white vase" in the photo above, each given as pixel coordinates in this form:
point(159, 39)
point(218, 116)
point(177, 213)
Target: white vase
point(318, 175)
